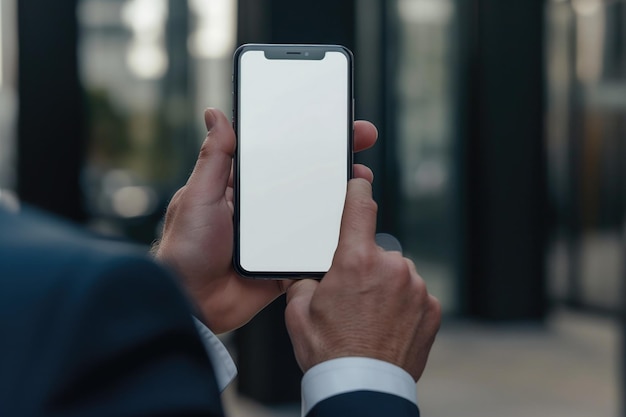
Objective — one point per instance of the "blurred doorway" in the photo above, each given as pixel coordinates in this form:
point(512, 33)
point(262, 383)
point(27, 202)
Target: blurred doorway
point(586, 71)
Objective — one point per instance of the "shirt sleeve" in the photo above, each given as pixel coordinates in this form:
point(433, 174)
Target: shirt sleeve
point(223, 365)
point(342, 375)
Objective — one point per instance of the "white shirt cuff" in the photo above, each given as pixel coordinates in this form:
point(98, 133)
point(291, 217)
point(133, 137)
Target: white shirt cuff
point(223, 365)
point(342, 375)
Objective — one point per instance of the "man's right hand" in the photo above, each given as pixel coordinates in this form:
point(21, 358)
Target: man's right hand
point(371, 303)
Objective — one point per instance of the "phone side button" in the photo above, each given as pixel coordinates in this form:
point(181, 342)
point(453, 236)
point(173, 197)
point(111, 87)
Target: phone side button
point(353, 103)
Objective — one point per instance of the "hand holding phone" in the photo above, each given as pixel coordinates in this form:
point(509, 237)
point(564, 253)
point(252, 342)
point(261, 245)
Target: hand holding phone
point(198, 238)
point(371, 304)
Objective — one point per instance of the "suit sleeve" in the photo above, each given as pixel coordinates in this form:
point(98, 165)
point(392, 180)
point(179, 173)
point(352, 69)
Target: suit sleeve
point(127, 346)
point(365, 404)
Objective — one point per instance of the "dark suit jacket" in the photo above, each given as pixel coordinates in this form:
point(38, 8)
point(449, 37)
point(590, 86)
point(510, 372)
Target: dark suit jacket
point(95, 328)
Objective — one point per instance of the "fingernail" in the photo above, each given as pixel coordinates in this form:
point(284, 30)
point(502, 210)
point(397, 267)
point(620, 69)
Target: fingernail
point(209, 119)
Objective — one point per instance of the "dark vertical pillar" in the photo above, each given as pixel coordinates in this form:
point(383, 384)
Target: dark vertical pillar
point(375, 69)
point(51, 140)
point(268, 371)
point(505, 160)
point(467, 39)
point(176, 88)
point(574, 216)
point(324, 21)
point(620, 47)
point(254, 21)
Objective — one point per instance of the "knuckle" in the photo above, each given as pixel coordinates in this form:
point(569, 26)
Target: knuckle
point(402, 268)
point(361, 259)
point(316, 311)
point(367, 205)
point(293, 317)
point(436, 312)
point(296, 316)
point(419, 288)
point(415, 289)
point(399, 268)
point(363, 202)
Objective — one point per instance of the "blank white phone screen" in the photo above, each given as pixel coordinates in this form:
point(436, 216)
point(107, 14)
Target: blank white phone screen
point(293, 156)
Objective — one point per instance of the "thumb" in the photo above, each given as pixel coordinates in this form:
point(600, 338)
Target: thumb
point(358, 223)
point(210, 175)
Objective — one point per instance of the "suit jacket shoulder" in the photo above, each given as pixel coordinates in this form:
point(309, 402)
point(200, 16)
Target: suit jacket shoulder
point(93, 328)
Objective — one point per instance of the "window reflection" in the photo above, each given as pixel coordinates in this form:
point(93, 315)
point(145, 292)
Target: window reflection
point(149, 68)
point(146, 54)
point(213, 36)
point(1, 46)
point(211, 44)
point(586, 140)
point(8, 92)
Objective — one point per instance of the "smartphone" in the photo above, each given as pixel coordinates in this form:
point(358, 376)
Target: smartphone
point(293, 117)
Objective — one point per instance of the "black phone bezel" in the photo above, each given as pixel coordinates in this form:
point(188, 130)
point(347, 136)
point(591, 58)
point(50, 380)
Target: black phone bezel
point(284, 51)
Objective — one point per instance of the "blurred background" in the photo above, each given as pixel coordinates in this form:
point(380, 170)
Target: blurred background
point(500, 167)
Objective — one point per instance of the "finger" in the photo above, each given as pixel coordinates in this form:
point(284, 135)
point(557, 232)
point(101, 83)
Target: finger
point(297, 318)
point(436, 314)
point(361, 171)
point(231, 176)
point(229, 199)
point(285, 284)
point(229, 194)
point(413, 268)
point(365, 135)
point(300, 292)
point(358, 223)
point(435, 309)
point(262, 292)
point(210, 175)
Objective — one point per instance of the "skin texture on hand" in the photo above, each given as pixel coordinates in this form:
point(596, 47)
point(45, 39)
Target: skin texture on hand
point(198, 235)
point(371, 303)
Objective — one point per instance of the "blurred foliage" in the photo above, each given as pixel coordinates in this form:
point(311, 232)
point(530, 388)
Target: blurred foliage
point(109, 142)
point(137, 142)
